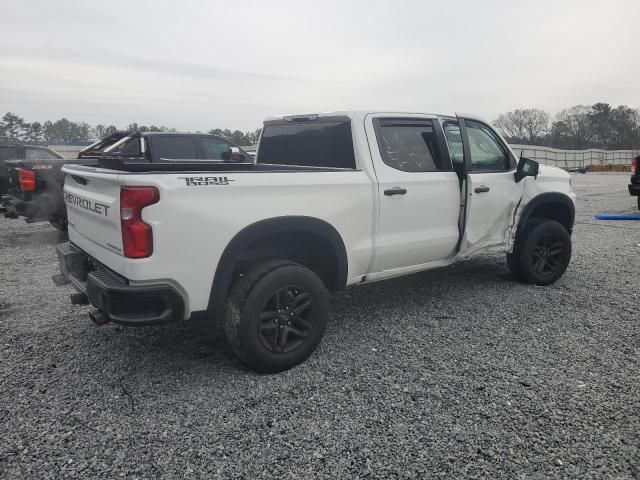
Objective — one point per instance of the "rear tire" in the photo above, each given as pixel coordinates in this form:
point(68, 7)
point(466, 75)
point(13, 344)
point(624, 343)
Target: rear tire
point(542, 252)
point(276, 315)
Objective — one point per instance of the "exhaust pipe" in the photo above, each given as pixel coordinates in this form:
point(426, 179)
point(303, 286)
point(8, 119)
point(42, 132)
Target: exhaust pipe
point(98, 317)
point(79, 298)
point(59, 280)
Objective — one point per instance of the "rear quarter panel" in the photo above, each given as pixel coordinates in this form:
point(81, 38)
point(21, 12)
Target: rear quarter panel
point(193, 224)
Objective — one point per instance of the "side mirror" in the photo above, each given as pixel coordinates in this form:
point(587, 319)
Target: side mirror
point(233, 155)
point(526, 168)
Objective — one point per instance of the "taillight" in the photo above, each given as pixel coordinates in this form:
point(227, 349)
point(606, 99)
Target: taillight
point(137, 236)
point(27, 180)
point(634, 166)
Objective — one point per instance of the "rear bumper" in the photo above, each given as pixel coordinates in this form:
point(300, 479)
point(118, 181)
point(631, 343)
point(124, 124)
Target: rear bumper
point(112, 294)
point(634, 189)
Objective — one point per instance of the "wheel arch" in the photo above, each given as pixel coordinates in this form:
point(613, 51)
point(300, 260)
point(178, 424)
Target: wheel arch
point(265, 237)
point(552, 205)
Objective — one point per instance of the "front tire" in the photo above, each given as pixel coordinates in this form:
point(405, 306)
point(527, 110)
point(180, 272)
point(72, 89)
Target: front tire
point(276, 315)
point(542, 254)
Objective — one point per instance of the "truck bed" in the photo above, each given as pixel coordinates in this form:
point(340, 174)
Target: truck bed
point(126, 165)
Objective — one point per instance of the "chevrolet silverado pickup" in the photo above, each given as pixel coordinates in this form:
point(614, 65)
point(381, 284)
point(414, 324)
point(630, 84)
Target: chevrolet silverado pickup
point(36, 183)
point(332, 200)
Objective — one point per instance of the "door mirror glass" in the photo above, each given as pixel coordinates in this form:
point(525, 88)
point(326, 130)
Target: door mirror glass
point(526, 168)
point(233, 155)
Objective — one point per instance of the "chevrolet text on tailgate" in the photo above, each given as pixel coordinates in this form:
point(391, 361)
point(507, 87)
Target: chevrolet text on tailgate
point(332, 200)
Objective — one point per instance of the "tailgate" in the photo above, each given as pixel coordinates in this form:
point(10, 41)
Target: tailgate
point(92, 198)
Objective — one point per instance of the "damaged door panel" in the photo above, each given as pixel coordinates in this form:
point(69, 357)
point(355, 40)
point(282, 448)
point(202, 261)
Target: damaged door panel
point(492, 194)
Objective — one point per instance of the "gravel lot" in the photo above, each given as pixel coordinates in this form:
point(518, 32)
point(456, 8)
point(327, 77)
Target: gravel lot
point(453, 373)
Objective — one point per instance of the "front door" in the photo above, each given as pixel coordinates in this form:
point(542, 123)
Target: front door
point(492, 192)
point(418, 192)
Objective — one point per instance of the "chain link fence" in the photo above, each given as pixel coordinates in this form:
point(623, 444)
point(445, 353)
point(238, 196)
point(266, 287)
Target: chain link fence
point(575, 159)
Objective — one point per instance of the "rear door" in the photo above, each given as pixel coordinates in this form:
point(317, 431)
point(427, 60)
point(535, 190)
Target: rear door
point(418, 191)
point(492, 192)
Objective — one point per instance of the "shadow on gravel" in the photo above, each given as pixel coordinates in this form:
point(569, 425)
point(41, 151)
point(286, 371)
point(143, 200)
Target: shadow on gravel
point(200, 344)
point(48, 237)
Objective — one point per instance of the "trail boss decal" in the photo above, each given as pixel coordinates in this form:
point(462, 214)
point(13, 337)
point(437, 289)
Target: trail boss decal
point(99, 208)
point(202, 181)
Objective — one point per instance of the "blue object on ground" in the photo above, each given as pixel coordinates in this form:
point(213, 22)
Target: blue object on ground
point(618, 216)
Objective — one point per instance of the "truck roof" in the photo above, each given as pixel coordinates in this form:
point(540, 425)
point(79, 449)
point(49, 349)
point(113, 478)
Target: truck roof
point(361, 113)
point(148, 134)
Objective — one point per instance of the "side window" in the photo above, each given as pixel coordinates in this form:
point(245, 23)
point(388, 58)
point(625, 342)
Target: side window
point(212, 148)
point(410, 145)
point(173, 147)
point(487, 154)
point(127, 146)
point(132, 147)
point(38, 154)
point(8, 154)
point(454, 141)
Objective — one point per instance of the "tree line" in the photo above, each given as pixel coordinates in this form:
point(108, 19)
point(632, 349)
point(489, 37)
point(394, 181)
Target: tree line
point(577, 128)
point(14, 127)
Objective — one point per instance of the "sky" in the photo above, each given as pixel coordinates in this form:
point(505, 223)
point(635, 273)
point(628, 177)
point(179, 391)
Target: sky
point(196, 65)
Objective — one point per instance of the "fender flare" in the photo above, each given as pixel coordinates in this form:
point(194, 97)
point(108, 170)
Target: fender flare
point(548, 197)
point(224, 270)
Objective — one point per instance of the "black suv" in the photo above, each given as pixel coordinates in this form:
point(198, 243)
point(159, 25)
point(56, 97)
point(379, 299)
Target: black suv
point(634, 186)
point(35, 184)
point(15, 150)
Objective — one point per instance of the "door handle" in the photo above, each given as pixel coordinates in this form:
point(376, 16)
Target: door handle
point(395, 191)
point(482, 189)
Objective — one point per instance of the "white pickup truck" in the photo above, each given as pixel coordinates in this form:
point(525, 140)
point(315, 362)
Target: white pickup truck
point(332, 200)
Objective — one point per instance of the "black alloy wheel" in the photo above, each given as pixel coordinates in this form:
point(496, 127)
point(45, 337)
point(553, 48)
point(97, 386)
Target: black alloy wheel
point(276, 315)
point(547, 255)
point(542, 252)
point(285, 320)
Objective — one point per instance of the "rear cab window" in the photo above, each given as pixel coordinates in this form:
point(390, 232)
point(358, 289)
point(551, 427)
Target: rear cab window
point(174, 147)
point(314, 142)
point(41, 154)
